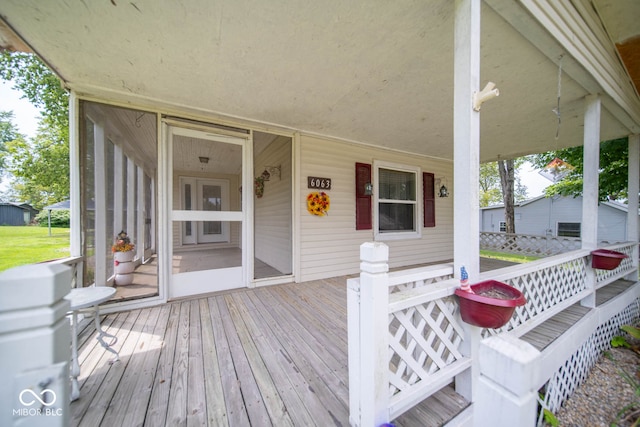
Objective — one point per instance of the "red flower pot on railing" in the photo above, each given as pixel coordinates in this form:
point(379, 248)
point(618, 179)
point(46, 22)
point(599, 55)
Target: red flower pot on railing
point(490, 304)
point(605, 259)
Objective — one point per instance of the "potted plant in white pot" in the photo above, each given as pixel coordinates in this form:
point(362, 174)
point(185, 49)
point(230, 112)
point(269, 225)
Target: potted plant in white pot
point(123, 255)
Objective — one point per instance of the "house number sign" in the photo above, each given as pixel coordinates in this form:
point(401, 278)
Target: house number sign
point(319, 183)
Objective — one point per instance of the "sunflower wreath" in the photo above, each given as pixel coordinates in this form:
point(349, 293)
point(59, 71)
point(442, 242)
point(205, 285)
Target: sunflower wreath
point(318, 203)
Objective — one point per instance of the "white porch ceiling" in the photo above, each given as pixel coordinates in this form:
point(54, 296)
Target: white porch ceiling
point(375, 72)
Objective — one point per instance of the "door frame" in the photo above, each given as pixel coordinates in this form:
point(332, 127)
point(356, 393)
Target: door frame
point(230, 280)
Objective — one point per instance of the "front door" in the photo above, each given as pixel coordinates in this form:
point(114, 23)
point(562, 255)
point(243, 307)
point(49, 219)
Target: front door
point(208, 252)
point(204, 195)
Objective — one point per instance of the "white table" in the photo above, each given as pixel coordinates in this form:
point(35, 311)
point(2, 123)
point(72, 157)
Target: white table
point(87, 299)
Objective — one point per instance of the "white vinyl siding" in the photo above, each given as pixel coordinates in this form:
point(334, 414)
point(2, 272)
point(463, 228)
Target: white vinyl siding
point(541, 216)
point(330, 245)
point(273, 226)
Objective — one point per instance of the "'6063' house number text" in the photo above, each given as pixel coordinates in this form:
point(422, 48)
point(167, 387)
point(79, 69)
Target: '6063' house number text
point(319, 183)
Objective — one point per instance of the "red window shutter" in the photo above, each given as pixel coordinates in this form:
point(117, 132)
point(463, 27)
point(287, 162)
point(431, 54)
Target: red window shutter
point(363, 201)
point(429, 197)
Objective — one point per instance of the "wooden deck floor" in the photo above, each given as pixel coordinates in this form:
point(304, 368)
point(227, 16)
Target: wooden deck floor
point(547, 332)
point(269, 356)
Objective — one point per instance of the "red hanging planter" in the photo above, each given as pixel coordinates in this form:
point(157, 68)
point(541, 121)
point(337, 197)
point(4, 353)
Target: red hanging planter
point(605, 259)
point(491, 304)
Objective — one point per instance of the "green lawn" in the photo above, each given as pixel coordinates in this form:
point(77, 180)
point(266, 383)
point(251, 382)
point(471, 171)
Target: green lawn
point(507, 257)
point(29, 245)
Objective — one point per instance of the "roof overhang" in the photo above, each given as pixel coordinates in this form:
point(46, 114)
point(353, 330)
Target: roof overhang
point(376, 73)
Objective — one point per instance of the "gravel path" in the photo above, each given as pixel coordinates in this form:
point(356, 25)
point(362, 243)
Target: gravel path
point(604, 393)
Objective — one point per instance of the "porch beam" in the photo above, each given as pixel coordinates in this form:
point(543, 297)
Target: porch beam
point(466, 169)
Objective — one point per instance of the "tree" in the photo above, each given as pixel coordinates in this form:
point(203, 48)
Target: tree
point(8, 133)
point(38, 84)
point(613, 173)
point(507, 181)
point(499, 182)
point(490, 193)
point(40, 166)
point(490, 185)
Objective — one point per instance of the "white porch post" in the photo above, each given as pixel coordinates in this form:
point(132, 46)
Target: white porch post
point(74, 176)
point(466, 156)
point(589, 234)
point(371, 373)
point(507, 395)
point(141, 195)
point(633, 187)
point(100, 183)
point(591, 162)
point(118, 191)
point(132, 191)
point(75, 192)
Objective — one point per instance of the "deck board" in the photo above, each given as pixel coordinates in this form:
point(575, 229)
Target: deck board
point(544, 334)
point(606, 293)
point(273, 356)
point(157, 410)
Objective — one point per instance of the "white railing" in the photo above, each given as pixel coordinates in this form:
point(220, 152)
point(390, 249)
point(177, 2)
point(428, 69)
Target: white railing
point(398, 356)
point(604, 277)
point(76, 264)
point(406, 340)
point(528, 244)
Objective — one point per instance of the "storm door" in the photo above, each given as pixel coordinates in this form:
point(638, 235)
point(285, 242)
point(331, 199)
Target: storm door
point(207, 214)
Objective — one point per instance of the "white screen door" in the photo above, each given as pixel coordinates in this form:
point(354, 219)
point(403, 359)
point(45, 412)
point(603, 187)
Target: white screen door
point(208, 253)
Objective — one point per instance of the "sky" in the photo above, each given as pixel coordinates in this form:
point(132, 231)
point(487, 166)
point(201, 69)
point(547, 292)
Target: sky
point(535, 182)
point(25, 115)
point(26, 119)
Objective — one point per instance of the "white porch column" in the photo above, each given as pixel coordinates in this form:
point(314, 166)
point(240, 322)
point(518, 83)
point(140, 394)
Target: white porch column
point(99, 185)
point(75, 192)
point(119, 185)
point(132, 193)
point(74, 176)
point(633, 188)
point(140, 207)
point(369, 339)
point(466, 139)
point(591, 162)
point(466, 156)
point(507, 392)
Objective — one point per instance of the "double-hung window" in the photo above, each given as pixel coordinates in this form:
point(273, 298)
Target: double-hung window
point(397, 206)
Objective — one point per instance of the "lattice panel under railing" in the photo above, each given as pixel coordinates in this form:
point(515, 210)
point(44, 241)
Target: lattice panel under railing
point(575, 370)
point(423, 340)
point(418, 283)
point(603, 276)
point(545, 288)
point(526, 244)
